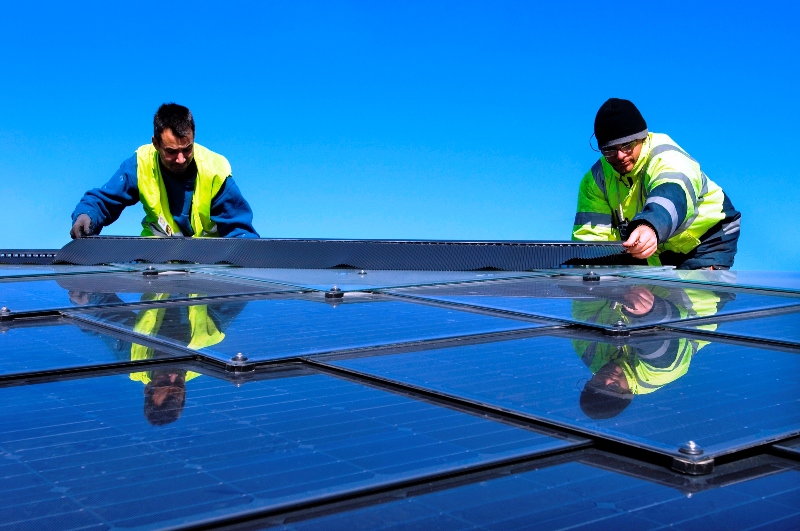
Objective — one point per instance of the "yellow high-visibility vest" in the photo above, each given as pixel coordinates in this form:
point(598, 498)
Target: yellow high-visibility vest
point(212, 170)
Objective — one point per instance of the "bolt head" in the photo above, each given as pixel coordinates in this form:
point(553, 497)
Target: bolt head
point(239, 357)
point(591, 276)
point(362, 272)
point(334, 293)
point(691, 448)
point(4, 310)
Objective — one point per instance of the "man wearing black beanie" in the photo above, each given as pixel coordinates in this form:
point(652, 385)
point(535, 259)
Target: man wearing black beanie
point(648, 192)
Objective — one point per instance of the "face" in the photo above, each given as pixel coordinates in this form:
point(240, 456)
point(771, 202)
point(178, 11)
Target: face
point(624, 162)
point(612, 377)
point(176, 153)
point(165, 385)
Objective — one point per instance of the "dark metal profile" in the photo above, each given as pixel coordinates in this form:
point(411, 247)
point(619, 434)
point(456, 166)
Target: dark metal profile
point(356, 254)
point(27, 256)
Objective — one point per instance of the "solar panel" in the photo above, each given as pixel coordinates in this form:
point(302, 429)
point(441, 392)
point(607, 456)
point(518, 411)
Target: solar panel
point(52, 344)
point(656, 391)
point(626, 303)
point(578, 495)
point(778, 327)
point(355, 279)
point(7, 271)
point(294, 325)
point(767, 280)
point(173, 446)
point(71, 291)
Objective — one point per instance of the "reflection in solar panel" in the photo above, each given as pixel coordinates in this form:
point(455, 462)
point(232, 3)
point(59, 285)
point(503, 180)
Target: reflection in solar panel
point(784, 327)
point(61, 344)
point(770, 280)
point(606, 304)
point(88, 453)
point(354, 279)
point(72, 291)
point(655, 391)
point(7, 271)
point(577, 495)
point(294, 325)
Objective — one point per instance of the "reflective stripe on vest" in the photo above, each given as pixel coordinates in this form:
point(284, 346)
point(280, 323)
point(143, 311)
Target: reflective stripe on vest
point(212, 170)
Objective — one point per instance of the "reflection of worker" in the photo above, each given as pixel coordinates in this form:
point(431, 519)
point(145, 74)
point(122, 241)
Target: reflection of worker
point(185, 189)
point(643, 364)
point(644, 304)
point(195, 327)
point(648, 192)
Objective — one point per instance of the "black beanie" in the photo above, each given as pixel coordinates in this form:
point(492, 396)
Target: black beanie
point(618, 122)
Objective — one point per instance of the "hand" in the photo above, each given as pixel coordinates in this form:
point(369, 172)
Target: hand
point(639, 300)
point(82, 227)
point(642, 243)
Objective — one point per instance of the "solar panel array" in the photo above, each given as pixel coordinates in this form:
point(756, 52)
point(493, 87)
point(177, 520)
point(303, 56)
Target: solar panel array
point(172, 396)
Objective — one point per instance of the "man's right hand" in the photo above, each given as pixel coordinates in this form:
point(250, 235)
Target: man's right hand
point(82, 227)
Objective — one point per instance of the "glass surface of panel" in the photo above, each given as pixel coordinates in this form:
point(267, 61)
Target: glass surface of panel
point(579, 496)
point(296, 325)
point(7, 271)
point(171, 447)
point(655, 391)
point(353, 280)
point(628, 303)
point(75, 291)
point(782, 327)
point(62, 344)
point(173, 266)
point(603, 270)
point(771, 280)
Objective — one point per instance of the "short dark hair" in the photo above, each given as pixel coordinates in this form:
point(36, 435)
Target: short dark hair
point(174, 117)
point(169, 411)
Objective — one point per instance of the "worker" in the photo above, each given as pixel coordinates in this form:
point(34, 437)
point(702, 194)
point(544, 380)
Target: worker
point(649, 193)
point(185, 189)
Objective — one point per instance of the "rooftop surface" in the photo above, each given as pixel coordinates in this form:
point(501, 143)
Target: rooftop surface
point(179, 395)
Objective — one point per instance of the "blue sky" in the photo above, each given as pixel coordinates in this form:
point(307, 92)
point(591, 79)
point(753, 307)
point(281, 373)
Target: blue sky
point(442, 120)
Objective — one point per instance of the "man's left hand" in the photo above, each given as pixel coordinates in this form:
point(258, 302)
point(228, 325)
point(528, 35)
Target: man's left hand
point(642, 243)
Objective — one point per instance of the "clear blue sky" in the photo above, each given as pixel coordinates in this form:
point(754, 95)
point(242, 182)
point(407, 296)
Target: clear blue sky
point(446, 120)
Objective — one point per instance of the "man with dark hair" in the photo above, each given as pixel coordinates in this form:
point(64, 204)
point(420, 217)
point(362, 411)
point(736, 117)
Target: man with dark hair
point(164, 396)
point(648, 192)
point(185, 189)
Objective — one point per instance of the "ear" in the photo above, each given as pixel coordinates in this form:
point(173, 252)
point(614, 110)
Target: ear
point(155, 142)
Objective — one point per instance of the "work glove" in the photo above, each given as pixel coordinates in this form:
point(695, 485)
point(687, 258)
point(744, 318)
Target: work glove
point(82, 227)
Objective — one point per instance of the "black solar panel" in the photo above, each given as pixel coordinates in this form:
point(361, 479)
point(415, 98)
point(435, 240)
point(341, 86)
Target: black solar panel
point(608, 303)
point(355, 279)
point(779, 327)
point(788, 281)
point(294, 325)
point(74, 291)
point(654, 391)
point(577, 495)
point(99, 452)
point(53, 344)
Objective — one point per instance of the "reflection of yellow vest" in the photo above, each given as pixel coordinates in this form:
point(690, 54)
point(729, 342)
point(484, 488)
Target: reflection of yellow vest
point(148, 323)
point(212, 170)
